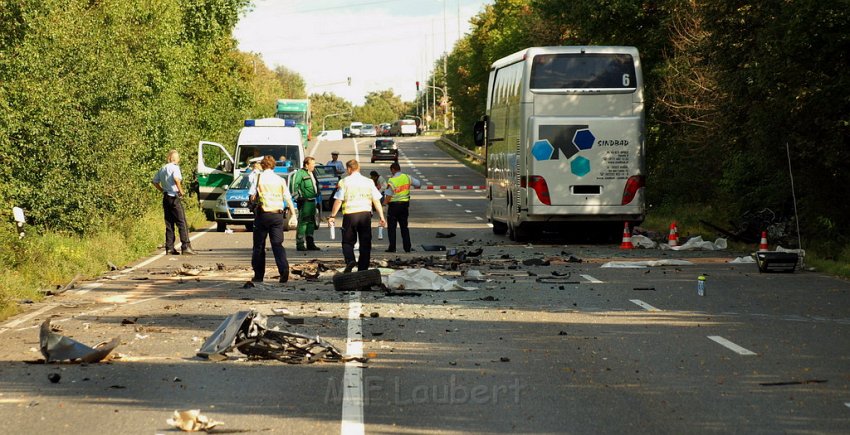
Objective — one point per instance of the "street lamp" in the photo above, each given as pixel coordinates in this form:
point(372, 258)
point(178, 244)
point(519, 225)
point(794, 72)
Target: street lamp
point(334, 114)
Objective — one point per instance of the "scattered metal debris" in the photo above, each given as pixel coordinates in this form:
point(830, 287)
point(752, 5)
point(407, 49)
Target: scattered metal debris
point(57, 347)
point(192, 421)
point(644, 288)
point(54, 378)
point(247, 332)
point(804, 382)
point(535, 262)
point(445, 235)
point(432, 248)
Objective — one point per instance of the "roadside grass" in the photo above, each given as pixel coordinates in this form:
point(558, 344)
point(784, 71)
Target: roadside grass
point(457, 155)
point(46, 260)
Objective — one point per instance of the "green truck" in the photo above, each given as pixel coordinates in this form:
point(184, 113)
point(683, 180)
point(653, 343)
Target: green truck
point(298, 111)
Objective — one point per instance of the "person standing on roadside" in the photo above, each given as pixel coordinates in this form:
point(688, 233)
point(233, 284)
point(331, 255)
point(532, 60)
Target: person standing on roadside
point(356, 195)
point(305, 190)
point(397, 198)
point(272, 195)
point(169, 181)
point(338, 168)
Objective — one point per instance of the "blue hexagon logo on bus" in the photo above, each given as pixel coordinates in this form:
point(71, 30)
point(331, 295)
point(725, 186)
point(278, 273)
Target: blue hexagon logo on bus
point(584, 139)
point(580, 166)
point(542, 150)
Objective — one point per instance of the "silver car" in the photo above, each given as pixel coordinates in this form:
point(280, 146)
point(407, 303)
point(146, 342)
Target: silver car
point(368, 130)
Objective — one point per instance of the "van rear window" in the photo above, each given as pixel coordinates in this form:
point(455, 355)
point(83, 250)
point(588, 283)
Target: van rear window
point(583, 71)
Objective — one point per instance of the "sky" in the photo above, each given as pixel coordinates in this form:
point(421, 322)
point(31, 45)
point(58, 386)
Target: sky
point(379, 44)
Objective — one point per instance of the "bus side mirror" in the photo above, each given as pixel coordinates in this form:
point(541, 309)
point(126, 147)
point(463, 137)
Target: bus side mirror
point(479, 133)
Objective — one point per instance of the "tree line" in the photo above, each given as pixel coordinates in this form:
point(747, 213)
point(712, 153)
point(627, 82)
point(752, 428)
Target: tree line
point(730, 85)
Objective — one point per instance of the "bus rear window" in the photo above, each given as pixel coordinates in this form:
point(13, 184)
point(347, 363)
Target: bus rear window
point(583, 71)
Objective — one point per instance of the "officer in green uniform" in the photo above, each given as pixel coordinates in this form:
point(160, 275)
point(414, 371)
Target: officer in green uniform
point(305, 190)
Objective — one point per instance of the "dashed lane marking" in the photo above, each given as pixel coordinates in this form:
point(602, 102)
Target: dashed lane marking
point(591, 279)
point(731, 346)
point(643, 305)
point(479, 218)
point(468, 211)
point(352, 395)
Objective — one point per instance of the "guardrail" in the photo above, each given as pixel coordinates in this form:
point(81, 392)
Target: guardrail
point(450, 143)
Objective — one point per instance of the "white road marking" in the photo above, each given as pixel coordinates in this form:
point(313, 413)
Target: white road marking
point(88, 287)
point(439, 191)
point(27, 317)
point(643, 305)
point(459, 205)
point(479, 218)
point(352, 379)
point(356, 151)
point(489, 225)
point(591, 279)
point(731, 346)
point(847, 404)
point(468, 211)
point(448, 199)
point(429, 183)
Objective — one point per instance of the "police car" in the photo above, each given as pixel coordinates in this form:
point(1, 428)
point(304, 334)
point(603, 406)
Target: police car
point(232, 206)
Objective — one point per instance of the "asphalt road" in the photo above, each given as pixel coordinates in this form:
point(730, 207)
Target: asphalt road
point(564, 348)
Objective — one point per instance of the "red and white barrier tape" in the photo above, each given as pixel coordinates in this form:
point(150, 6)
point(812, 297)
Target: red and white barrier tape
point(452, 187)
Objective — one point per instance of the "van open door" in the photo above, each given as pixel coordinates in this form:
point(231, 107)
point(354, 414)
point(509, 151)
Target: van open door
point(213, 179)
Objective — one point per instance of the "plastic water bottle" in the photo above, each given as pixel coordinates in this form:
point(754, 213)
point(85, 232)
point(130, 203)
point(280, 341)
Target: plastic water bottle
point(332, 226)
point(380, 233)
point(701, 285)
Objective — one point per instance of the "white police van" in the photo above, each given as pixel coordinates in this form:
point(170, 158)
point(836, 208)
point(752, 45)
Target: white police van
point(217, 168)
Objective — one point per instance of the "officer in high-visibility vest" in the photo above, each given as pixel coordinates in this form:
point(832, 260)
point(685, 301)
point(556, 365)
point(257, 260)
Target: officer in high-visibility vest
point(272, 196)
point(356, 195)
point(397, 198)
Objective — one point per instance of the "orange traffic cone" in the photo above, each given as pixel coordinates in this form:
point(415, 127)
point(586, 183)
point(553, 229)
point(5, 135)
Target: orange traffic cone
point(627, 238)
point(673, 238)
point(763, 243)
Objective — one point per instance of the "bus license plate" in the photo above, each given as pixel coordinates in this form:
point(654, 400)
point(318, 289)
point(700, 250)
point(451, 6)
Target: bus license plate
point(241, 211)
point(385, 151)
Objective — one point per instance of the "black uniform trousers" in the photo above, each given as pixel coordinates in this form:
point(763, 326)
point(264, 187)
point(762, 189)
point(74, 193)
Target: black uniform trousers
point(174, 215)
point(268, 225)
point(357, 226)
point(397, 214)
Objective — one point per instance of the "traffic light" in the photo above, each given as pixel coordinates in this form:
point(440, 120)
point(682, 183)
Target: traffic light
point(417, 86)
point(349, 81)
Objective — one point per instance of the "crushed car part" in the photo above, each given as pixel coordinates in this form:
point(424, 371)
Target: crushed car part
point(247, 332)
point(57, 347)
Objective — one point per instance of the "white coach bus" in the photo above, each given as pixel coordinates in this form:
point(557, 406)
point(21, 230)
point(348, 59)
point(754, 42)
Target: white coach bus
point(564, 139)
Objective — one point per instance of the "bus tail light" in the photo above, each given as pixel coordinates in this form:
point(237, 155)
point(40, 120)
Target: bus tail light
point(540, 187)
point(634, 183)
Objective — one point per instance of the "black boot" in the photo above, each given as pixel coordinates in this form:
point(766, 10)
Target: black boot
point(311, 244)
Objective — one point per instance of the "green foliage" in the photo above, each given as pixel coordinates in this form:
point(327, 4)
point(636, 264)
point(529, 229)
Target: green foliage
point(92, 96)
point(728, 83)
point(330, 109)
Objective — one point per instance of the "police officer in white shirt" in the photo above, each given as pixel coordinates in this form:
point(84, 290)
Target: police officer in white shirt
point(356, 195)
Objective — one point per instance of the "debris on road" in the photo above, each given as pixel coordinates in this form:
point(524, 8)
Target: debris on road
point(536, 262)
point(54, 378)
point(697, 243)
point(444, 235)
point(192, 421)
point(643, 264)
point(56, 347)
point(644, 288)
point(188, 271)
point(804, 382)
point(422, 279)
point(743, 260)
point(247, 332)
point(640, 241)
point(433, 248)
point(66, 287)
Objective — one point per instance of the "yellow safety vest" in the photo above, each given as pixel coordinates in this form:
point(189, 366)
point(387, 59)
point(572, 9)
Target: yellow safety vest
point(400, 184)
point(357, 191)
point(270, 193)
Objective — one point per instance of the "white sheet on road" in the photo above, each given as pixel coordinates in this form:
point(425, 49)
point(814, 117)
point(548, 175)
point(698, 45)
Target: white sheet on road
point(643, 264)
point(696, 244)
point(640, 241)
point(422, 279)
point(744, 260)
